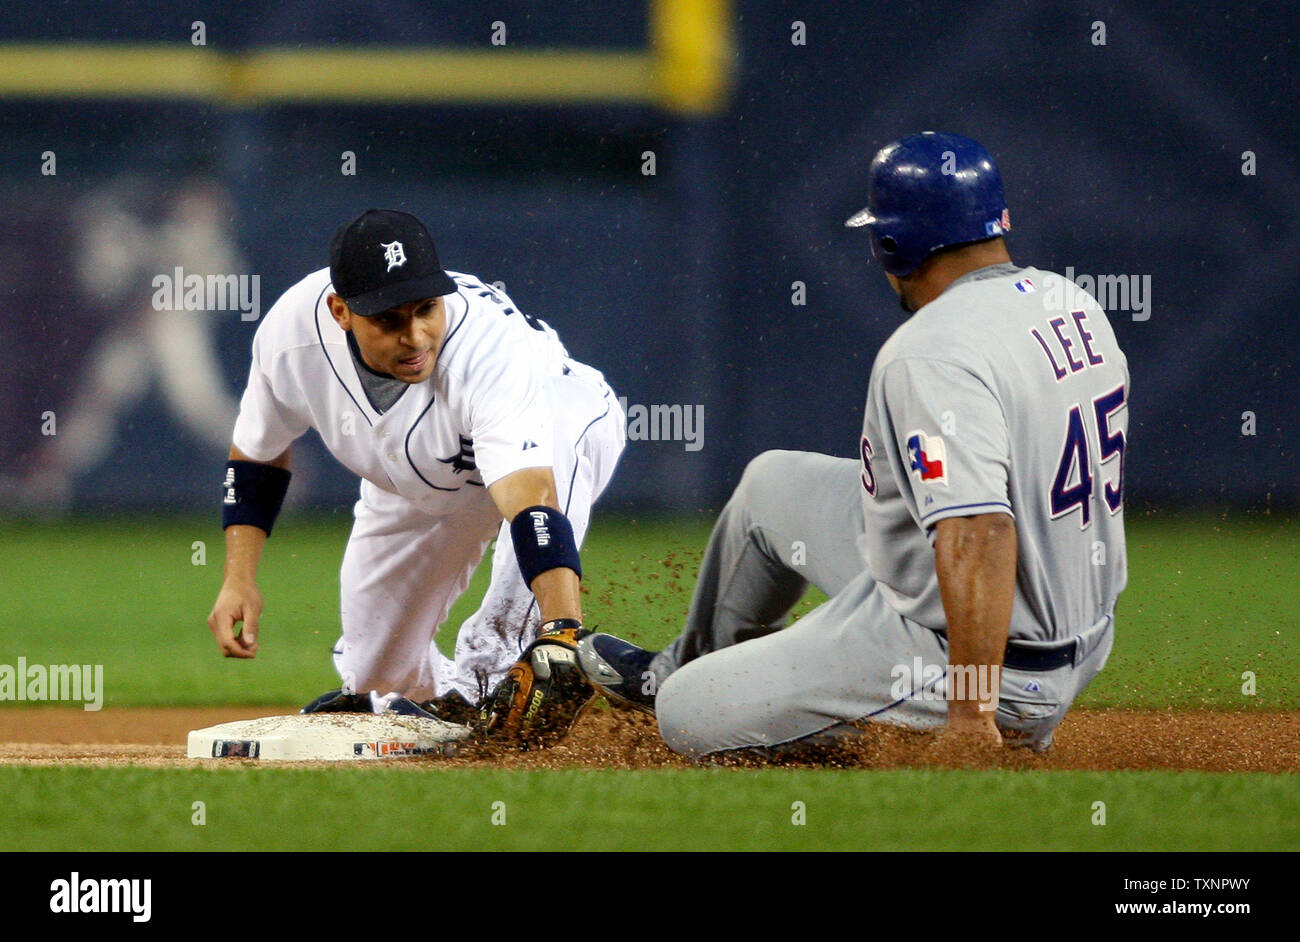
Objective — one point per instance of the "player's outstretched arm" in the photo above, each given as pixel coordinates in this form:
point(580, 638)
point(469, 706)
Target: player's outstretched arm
point(975, 558)
point(255, 486)
point(528, 500)
point(544, 690)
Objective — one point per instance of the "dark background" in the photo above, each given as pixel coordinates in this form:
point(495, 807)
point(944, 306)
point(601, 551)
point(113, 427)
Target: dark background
point(1118, 159)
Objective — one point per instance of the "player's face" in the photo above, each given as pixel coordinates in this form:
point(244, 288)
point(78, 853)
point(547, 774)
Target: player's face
point(404, 341)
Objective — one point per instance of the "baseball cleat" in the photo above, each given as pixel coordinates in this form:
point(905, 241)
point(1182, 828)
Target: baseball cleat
point(336, 701)
point(451, 708)
point(619, 669)
point(405, 706)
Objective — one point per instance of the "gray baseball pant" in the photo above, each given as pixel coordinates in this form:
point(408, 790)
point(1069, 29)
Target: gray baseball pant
point(736, 678)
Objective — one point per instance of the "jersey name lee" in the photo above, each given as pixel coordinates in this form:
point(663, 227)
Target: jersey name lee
point(1079, 337)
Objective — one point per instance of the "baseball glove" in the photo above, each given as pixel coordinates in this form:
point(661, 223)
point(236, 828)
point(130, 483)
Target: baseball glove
point(542, 694)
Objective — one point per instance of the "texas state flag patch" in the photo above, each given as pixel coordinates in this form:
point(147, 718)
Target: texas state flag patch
point(927, 457)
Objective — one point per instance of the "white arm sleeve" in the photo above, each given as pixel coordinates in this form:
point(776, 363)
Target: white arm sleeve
point(267, 424)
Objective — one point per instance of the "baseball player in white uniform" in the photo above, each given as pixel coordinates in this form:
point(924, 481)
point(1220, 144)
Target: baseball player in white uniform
point(465, 419)
point(974, 550)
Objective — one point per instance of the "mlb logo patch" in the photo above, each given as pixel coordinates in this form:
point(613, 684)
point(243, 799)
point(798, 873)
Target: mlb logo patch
point(927, 456)
point(1025, 286)
point(999, 226)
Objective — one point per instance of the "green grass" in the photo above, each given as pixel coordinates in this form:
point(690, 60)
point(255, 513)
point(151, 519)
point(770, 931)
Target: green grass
point(130, 596)
point(1208, 599)
point(376, 809)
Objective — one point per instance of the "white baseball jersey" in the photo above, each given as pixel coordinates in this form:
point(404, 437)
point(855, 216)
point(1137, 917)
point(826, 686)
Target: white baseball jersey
point(484, 414)
point(1006, 394)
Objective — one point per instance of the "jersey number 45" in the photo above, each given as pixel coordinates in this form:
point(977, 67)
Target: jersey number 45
point(1073, 487)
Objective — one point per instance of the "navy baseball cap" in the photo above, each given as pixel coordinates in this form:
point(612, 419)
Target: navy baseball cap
point(383, 259)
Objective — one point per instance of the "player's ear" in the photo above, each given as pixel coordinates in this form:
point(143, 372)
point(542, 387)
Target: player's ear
point(339, 308)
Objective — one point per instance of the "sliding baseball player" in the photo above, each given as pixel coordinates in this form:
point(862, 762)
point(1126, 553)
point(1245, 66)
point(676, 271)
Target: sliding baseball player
point(974, 549)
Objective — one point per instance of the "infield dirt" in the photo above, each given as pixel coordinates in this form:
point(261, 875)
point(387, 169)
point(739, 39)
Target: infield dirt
point(1091, 740)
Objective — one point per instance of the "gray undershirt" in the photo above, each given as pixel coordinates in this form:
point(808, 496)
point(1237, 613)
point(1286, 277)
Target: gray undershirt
point(996, 270)
point(381, 389)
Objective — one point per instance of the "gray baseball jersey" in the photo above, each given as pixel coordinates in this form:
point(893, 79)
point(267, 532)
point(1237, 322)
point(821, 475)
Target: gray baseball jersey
point(1007, 394)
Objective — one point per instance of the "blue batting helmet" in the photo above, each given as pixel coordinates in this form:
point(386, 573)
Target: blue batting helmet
point(927, 192)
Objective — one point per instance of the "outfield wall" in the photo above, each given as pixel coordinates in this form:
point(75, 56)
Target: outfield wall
point(1150, 154)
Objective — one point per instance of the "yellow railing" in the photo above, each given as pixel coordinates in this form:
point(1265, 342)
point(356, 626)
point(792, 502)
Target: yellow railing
point(687, 70)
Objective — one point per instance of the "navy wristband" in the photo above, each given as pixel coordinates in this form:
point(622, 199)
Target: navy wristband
point(543, 539)
point(252, 494)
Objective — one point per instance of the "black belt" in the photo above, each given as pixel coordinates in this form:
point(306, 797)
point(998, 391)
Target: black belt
point(1022, 658)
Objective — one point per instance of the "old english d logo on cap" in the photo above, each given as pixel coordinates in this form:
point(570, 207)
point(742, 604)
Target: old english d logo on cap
point(394, 254)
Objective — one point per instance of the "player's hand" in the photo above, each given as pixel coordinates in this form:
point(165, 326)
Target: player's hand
point(238, 601)
point(979, 730)
point(967, 741)
point(542, 694)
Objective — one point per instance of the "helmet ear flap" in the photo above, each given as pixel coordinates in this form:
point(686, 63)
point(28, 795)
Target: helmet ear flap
point(893, 249)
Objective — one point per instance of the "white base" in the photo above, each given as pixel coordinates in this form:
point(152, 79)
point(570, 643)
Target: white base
point(327, 737)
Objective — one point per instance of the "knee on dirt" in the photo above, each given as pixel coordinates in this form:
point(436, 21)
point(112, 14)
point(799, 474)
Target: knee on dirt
point(697, 716)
